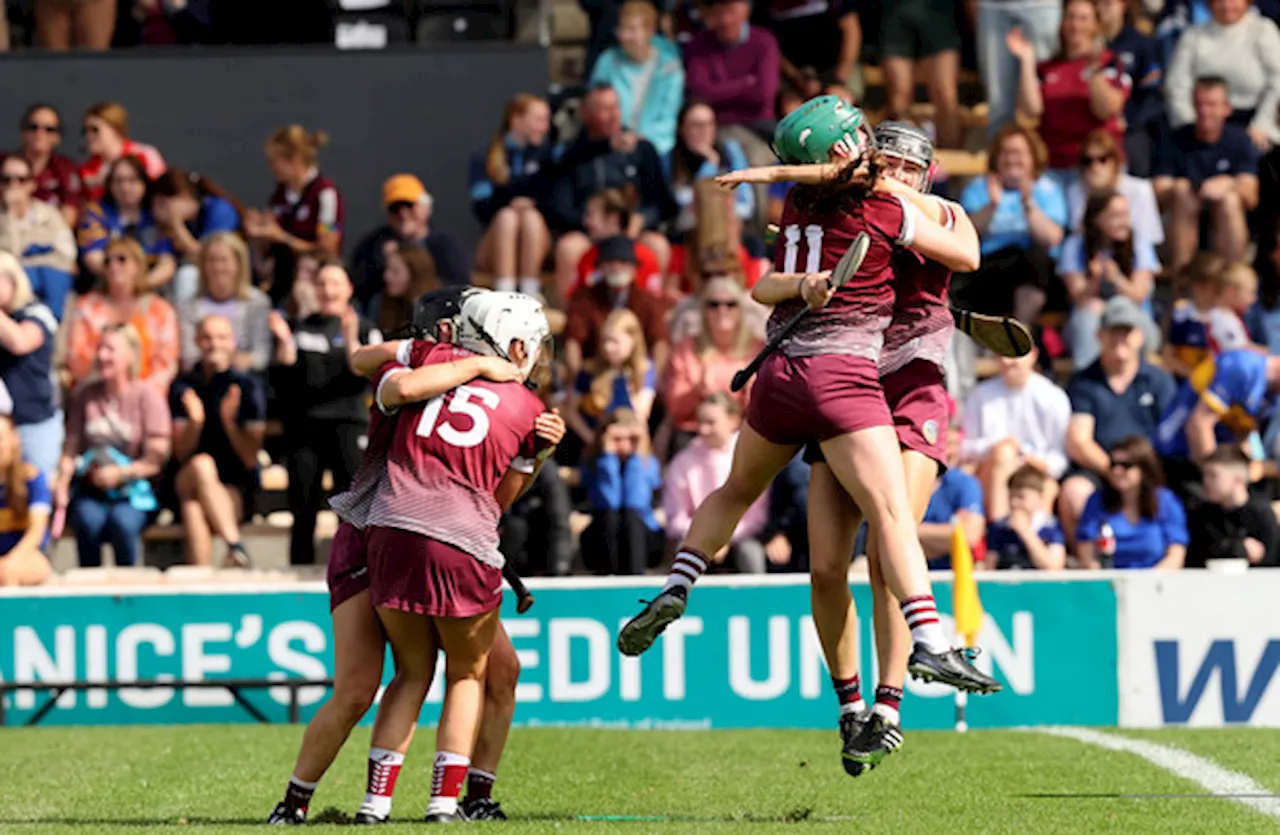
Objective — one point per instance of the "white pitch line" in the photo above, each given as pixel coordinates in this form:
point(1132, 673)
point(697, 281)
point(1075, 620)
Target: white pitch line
point(1231, 785)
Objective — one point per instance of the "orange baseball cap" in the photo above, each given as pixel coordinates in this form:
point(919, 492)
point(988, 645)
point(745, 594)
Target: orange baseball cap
point(403, 188)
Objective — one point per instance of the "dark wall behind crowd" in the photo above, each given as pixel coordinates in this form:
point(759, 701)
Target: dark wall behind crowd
point(211, 111)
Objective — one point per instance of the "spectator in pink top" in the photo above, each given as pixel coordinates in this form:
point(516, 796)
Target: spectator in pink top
point(733, 66)
point(704, 363)
point(701, 468)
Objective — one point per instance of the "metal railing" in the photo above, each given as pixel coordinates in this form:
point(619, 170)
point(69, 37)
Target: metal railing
point(234, 686)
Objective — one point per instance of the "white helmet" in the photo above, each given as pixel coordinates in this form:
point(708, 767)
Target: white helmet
point(490, 322)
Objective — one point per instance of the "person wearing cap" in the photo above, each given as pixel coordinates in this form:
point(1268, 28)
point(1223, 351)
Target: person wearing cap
point(1119, 396)
point(408, 206)
point(617, 289)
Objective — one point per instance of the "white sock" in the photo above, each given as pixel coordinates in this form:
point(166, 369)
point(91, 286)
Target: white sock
point(531, 286)
point(504, 285)
point(384, 768)
point(446, 782)
point(852, 707)
point(687, 567)
point(921, 613)
point(889, 713)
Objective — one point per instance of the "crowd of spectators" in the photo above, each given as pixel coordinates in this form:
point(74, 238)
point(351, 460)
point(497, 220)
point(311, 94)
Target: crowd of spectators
point(154, 325)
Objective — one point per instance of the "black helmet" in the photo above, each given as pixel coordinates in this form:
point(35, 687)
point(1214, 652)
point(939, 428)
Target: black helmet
point(445, 303)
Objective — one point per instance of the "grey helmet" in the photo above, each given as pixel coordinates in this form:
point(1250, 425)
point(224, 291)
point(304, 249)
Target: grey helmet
point(905, 141)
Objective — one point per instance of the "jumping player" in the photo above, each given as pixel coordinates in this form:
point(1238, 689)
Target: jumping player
point(824, 383)
point(911, 369)
point(911, 372)
point(434, 565)
point(359, 642)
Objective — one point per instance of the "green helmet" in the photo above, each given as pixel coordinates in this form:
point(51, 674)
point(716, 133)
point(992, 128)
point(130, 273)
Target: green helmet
point(810, 132)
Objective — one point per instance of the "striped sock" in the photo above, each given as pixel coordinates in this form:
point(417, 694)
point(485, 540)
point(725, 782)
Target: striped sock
point(888, 701)
point(922, 616)
point(849, 694)
point(446, 782)
point(687, 567)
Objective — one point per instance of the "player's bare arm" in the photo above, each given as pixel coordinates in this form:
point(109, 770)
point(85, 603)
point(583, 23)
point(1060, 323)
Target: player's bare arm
point(776, 288)
point(435, 379)
point(809, 175)
point(549, 428)
point(367, 359)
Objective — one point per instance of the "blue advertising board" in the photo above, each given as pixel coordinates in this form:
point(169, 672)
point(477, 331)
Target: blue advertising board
point(745, 655)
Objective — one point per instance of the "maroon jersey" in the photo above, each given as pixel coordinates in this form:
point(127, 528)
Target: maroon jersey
point(353, 504)
point(922, 323)
point(853, 322)
point(59, 183)
point(305, 214)
point(447, 457)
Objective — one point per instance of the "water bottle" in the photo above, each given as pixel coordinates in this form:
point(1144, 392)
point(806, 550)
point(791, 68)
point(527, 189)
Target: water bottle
point(1106, 545)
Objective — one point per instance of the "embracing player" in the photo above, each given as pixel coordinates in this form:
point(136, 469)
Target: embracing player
point(435, 572)
point(824, 386)
point(359, 640)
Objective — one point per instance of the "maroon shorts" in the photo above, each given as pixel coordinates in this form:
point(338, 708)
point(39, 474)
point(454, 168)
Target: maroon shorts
point(348, 568)
point(798, 399)
point(423, 576)
point(917, 394)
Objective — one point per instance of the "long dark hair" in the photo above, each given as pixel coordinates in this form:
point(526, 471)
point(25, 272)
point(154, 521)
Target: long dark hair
point(1141, 452)
point(179, 183)
point(397, 311)
point(1094, 241)
point(685, 162)
point(139, 168)
point(842, 193)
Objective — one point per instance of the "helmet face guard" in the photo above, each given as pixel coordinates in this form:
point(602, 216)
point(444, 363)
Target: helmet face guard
point(908, 144)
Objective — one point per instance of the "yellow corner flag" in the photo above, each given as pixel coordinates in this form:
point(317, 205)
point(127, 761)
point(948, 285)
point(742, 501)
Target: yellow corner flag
point(966, 605)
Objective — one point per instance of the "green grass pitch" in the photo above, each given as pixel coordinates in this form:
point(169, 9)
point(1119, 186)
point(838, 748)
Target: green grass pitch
point(212, 780)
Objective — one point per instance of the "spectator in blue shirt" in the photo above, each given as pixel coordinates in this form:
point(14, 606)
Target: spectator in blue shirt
point(1133, 521)
point(1225, 399)
point(1021, 218)
point(26, 504)
point(508, 184)
point(620, 478)
point(125, 212)
point(1027, 536)
point(1109, 257)
point(27, 335)
point(1121, 395)
point(645, 70)
point(1211, 165)
point(1139, 56)
point(697, 156)
point(188, 207)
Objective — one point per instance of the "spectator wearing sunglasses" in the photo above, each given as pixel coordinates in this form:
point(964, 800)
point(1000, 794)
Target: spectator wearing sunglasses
point(125, 212)
point(57, 177)
point(1101, 170)
point(36, 234)
point(1133, 520)
point(703, 364)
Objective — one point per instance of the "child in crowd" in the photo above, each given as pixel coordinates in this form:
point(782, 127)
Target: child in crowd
point(1029, 536)
point(1188, 343)
point(619, 377)
point(1235, 291)
point(621, 476)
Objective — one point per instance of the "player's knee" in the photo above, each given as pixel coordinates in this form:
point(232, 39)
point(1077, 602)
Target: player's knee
point(501, 678)
point(828, 575)
point(355, 695)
